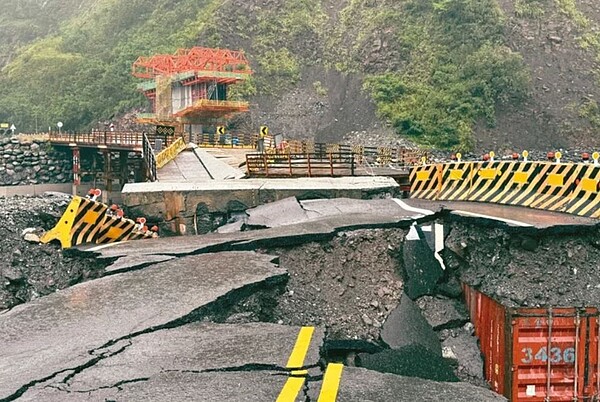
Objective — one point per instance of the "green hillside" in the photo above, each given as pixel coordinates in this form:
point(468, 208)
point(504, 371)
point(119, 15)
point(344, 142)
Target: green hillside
point(436, 69)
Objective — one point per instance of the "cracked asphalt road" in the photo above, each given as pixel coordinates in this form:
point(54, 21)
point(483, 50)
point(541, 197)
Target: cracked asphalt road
point(68, 329)
point(167, 323)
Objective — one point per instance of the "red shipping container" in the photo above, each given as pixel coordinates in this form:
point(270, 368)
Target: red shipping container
point(537, 354)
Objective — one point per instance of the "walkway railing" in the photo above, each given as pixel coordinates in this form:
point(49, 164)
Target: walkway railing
point(301, 165)
point(169, 153)
point(247, 141)
point(149, 157)
point(110, 139)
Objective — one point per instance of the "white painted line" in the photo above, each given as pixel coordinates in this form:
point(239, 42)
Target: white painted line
point(496, 218)
point(407, 207)
point(440, 260)
point(412, 233)
point(439, 237)
point(103, 246)
point(426, 228)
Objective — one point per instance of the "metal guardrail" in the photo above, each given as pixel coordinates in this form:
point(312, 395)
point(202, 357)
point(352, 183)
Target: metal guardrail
point(169, 153)
point(247, 141)
point(149, 157)
point(301, 164)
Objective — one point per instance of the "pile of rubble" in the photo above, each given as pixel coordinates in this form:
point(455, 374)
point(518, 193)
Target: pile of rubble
point(29, 269)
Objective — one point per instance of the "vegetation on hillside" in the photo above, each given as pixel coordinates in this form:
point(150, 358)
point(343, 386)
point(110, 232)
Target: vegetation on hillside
point(456, 71)
point(446, 66)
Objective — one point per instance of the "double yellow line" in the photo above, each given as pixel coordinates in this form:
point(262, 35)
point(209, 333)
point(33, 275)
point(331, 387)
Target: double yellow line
point(295, 382)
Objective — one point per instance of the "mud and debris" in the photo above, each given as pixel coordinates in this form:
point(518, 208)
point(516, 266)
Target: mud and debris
point(522, 268)
point(350, 283)
point(28, 269)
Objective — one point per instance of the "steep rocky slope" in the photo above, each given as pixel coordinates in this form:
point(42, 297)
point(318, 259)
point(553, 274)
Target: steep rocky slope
point(312, 59)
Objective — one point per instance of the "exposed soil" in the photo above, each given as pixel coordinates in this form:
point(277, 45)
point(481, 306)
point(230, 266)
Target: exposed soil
point(538, 270)
point(29, 270)
point(349, 285)
point(563, 77)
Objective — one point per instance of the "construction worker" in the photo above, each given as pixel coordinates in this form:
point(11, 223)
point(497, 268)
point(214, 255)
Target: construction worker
point(261, 142)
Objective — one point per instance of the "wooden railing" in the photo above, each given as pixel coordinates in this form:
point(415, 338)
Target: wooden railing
point(169, 153)
point(301, 165)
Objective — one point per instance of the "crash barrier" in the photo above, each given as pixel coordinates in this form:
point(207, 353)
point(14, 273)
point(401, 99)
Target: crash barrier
point(537, 354)
point(89, 221)
point(169, 153)
point(272, 164)
point(563, 187)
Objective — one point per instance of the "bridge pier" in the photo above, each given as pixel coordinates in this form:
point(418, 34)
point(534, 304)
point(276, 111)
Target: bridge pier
point(123, 171)
point(107, 176)
point(76, 169)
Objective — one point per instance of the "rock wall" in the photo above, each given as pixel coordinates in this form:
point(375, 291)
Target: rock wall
point(32, 163)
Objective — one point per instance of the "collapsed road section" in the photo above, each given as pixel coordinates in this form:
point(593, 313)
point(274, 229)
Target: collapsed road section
point(219, 315)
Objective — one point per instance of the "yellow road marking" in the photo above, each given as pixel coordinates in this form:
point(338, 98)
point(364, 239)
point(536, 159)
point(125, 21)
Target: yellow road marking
point(295, 382)
point(331, 382)
point(291, 389)
point(296, 359)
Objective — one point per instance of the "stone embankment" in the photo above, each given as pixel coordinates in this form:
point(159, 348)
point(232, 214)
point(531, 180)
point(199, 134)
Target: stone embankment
point(33, 162)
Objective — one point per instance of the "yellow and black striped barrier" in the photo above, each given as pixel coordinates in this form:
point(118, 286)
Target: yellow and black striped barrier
point(87, 221)
point(425, 181)
point(563, 187)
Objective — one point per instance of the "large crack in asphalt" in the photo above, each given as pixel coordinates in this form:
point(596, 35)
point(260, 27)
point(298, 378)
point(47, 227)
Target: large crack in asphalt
point(269, 242)
point(221, 308)
point(215, 311)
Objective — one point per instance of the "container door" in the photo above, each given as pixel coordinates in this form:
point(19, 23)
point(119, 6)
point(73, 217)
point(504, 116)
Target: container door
point(554, 355)
point(489, 320)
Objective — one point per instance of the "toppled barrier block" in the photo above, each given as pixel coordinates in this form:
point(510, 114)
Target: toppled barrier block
point(88, 221)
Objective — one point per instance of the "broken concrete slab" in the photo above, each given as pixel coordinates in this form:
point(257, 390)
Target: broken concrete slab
point(465, 347)
point(64, 331)
point(407, 326)
point(242, 386)
point(339, 206)
point(289, 210)
point(175, 204)
point(359, 384)
point(442, 312)
point(278, 213)
point(284, 235)
point(135, 261)
point(515, 215)
point(411, 361)
point(233, 227)
point(199, 347)
point(422, 271)
point(217, 169)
